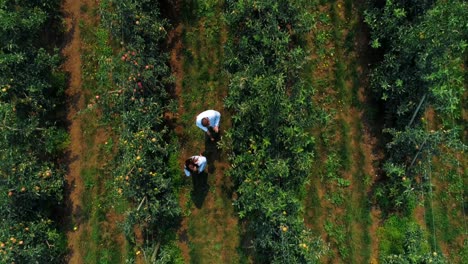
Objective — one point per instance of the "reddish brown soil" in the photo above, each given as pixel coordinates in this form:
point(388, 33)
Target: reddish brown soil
point(75, 103)
point(376, 223)
point(175, 40)
point(73, 12)
point(364, 149)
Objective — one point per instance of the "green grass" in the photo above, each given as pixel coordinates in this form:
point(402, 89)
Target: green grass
point(358, 214)
point(340, 78)
point(313, 207)
point(99, 198)
point(346, 200)
point(346, 155)
point(444, 225)
point(444, 218)
point(88, 176)
point(98, 237)
point(204, 86)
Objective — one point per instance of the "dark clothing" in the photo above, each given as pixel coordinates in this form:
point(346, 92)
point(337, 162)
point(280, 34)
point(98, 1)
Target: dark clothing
point(213, 134)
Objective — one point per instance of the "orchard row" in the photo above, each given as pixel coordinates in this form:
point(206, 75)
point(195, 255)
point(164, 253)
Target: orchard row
point(270, 147)
point(33, 138)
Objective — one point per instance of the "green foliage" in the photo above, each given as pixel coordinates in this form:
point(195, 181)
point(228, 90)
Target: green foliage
point(30, 242)
point(136, 96)
point(31, 91)
point(424, 53)
point(170, 254)
point(424, 46)
point(392, 235)
point(57, 142)
point(403, 241)
point(271, 149)
point(423, 67)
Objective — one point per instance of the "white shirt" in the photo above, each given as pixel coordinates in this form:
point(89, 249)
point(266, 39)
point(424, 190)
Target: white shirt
point(212, 115)
point(201, 162)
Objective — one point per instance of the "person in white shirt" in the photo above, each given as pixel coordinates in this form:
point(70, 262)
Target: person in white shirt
point(194, 165)
point(208, 121)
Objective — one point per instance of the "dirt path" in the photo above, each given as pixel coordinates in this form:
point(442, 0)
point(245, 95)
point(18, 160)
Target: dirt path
point(75, 103)
point(94, 234)
point(209, 231)
point(82, 155)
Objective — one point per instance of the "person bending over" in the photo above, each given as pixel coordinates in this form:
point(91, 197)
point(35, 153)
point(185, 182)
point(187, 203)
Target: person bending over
point(208, 121)
point(194, 165)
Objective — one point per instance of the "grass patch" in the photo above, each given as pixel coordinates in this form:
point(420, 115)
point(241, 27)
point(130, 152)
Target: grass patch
point(204, 86)
point(346, 205)
point(314, 208)
point(346, 153)
point(100, 200)
point(340, 84)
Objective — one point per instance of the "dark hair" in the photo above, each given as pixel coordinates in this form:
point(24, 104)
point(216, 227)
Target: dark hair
point(188, 162)
point(205, 121)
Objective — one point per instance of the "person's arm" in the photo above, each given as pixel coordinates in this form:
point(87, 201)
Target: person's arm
point(216, 119)
point(201, 163)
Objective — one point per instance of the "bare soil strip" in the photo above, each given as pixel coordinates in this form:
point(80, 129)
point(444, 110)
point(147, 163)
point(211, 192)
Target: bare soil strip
point(75, 103)
point(84, 153)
